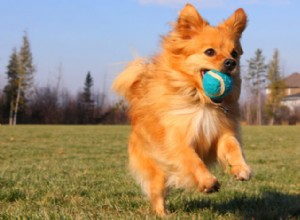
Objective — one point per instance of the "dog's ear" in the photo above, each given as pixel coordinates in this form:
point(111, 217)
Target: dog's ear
point(189, 22)
point(237, 22)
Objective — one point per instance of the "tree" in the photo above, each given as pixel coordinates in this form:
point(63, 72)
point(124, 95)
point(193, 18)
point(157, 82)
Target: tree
point(276, 86)
point(20, 79)
point(88, 102)
point(255, 79)
point(44, 107)
point(88, 84)
point(27, 69)
point(11, 89)
point(2, 106)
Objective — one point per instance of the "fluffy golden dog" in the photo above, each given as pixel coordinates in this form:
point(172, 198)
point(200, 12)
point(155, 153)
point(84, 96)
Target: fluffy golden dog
point(176, 129)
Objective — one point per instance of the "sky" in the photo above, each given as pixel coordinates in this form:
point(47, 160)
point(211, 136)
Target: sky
point(70, 38)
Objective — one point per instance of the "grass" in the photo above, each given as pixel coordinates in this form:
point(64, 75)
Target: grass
point(80, 172)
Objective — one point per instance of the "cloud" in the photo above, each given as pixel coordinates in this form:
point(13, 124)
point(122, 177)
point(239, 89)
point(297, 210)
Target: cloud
point(213, 3)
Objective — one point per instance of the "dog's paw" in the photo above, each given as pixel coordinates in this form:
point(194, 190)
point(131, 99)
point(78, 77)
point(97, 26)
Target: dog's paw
point(160, 212)
point(241, 172)
point(158, 206)
point(209, 184)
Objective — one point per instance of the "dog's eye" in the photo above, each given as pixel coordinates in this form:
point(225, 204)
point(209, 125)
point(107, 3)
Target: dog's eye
point(234, 54)
point(210, 52)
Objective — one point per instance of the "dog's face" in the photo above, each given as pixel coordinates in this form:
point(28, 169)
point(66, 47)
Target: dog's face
point(196, 47)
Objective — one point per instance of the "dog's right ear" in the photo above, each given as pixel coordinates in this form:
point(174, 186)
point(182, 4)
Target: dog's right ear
point(189, 22)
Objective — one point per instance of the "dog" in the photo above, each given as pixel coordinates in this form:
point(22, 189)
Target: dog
point(177, 131)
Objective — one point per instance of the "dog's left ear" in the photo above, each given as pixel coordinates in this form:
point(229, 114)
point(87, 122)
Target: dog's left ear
point(237, 22)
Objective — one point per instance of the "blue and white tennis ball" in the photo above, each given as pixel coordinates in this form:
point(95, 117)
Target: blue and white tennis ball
point(216, 84)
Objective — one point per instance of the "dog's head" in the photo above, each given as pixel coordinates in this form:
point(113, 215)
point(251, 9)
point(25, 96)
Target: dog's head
point(193, 46)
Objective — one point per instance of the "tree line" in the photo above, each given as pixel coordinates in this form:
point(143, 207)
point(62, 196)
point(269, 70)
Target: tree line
point(23, 102)
point(259, 107)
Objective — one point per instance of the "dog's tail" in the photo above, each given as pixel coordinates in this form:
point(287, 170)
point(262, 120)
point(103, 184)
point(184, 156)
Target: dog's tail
point(124, 82)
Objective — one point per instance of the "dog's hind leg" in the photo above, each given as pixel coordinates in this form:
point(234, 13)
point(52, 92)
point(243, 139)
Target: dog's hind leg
point(157, 192)
point(149, 175)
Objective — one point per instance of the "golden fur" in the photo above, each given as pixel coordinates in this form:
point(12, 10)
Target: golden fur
point(176, 129)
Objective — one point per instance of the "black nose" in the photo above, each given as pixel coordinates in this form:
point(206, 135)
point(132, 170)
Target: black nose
point(229, 64)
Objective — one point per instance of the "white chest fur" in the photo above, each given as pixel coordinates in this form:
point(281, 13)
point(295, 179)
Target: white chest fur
point(201, 123)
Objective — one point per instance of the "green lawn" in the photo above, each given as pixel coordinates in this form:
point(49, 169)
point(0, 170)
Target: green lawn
point(80, 172)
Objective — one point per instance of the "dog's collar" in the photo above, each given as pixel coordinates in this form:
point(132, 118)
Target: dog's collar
point(218, 104)
point(223, 108)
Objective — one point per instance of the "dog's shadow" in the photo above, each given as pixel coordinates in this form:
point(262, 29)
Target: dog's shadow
point(268, 205)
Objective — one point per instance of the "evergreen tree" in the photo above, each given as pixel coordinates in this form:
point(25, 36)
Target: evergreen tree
point(26, 67)
point(255, 78)
point(13, 69)
point(276, 86)
point(11, 88)
point(88, 102)
point(20, 72)
point(88, 84)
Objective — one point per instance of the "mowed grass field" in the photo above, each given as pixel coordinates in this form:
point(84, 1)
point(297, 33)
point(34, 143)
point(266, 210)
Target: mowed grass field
point(80, 172)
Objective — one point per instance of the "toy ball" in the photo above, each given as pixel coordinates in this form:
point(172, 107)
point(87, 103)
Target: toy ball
point(216, 84)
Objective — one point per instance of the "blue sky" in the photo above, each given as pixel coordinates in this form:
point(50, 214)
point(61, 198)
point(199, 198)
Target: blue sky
point(101, 36)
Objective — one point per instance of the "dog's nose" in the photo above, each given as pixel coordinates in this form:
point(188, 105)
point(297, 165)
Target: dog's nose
point(229, 64)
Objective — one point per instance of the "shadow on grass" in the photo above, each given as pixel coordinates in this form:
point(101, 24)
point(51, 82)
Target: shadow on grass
point(269, 205)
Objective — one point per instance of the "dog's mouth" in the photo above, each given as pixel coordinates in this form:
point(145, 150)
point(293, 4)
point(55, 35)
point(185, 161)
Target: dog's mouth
point(203, 71)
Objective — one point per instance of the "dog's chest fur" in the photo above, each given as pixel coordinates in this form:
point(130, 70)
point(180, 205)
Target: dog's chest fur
point(206, 124)
point(200, 122)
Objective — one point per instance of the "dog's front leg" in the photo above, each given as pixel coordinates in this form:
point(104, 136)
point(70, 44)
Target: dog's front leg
point(231, 156)
point(195, 167)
